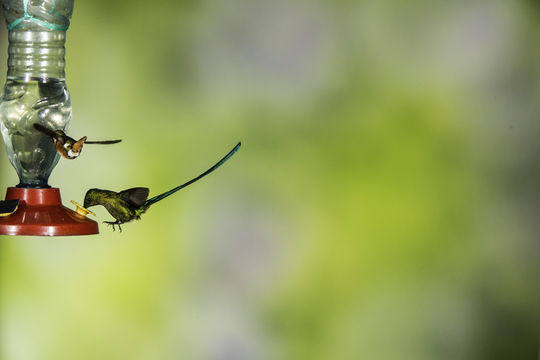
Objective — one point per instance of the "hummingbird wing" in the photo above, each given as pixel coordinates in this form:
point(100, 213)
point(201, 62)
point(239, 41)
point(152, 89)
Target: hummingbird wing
point(135, 196)
point(58, 135)
point(104, 142)
point(45, 130)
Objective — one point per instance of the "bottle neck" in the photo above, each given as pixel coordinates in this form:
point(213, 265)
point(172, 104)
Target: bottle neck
point(36, 55)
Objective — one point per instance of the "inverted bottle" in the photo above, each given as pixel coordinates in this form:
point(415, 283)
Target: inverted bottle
point(35, 90)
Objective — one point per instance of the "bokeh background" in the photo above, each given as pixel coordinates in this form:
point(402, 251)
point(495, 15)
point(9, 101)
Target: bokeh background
point(384, 205)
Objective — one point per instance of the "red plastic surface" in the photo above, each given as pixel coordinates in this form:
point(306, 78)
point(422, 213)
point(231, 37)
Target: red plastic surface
point(41, 213)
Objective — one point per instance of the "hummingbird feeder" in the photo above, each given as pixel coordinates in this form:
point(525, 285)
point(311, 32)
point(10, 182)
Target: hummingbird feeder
point(35, 93)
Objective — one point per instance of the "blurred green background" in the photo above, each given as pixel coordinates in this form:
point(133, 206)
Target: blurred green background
point(384, 204)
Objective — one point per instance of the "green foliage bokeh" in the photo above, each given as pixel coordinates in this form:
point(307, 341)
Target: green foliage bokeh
point(383, 204)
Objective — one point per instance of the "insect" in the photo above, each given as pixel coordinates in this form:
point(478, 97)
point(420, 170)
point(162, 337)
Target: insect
point(66, 146)
point(130, 204)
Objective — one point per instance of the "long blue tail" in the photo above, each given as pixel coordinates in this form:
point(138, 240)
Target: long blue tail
point(157, 198)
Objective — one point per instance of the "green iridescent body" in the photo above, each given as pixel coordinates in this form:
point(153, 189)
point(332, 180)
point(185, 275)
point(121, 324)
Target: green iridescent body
point(130, 204)
point(124, 206)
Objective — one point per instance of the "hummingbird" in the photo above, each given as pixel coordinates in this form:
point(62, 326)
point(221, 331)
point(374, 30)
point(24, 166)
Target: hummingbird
point(67, 146)
point(130, 204)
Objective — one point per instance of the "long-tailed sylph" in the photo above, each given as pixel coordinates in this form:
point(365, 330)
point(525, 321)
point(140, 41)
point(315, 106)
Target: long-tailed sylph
point(130, 204)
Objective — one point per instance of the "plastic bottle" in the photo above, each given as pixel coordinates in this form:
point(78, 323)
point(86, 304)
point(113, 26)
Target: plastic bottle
point(35, 89)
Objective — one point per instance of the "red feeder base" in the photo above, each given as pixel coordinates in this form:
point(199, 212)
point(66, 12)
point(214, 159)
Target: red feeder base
point(41, 213)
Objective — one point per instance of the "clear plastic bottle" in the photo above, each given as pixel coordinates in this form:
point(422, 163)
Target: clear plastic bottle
point(35, 90)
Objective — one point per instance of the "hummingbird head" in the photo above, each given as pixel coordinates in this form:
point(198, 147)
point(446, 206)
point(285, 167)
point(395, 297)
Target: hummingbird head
point(74, 149)
point(90, 199)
